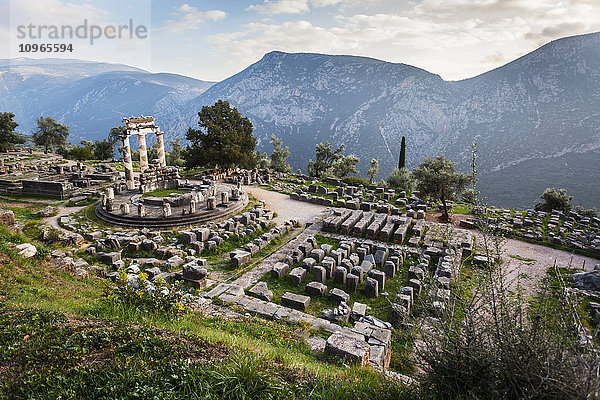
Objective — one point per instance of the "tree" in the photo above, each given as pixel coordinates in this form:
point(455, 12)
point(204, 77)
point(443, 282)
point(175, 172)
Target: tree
point(225, 138)
point(50, 133)
point(324, 157)
point(83, 152)
point(103, 150)
point(402, 158)
point(343, 166)
point(174, 155)
point(261, 160)
point(8, 137)
point(116, 133)
point(152, 152)
point(471, 194)
point(437, 178)
point(279, 155)
point(401, 179)
point(333, 163)
point(553, 199)
point(373, 170)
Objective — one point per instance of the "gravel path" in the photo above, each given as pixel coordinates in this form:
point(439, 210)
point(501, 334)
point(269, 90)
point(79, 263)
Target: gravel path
point(285, 207)
point(61, 211)
point(536, 259)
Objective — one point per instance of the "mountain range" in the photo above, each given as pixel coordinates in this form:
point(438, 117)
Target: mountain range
point(536, 120)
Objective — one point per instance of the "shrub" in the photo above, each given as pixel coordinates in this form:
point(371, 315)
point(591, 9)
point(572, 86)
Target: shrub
point(356, 181)
point(554, 199)
point(493, 342)
point(401, 179)
point(157, 297)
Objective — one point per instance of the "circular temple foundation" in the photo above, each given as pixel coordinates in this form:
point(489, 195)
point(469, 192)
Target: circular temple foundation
point(131, 209)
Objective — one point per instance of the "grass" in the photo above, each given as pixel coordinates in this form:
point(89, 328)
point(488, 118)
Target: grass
point(50, 355)
point(380, 306)
point(164, 193)
point(524, 259)
point(21, 196)
point(458, 208)
point(123, 348)
point(62, 341)
point(321, 239)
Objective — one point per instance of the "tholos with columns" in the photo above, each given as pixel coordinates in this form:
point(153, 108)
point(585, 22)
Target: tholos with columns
point(127, 163)
point(160, 149)
point(143, 152)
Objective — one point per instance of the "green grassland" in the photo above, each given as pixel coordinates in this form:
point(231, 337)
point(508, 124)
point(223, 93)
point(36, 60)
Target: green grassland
point(61, 338)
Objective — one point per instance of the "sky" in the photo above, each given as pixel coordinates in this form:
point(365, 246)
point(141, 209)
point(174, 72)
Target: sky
point(212, 40)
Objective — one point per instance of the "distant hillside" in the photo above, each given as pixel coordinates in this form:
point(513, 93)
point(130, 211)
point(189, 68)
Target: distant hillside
point(92, 97)
point(536, 120)
point(541, 109)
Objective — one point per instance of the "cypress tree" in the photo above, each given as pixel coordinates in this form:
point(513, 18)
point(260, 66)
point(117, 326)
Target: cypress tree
point(402, 160)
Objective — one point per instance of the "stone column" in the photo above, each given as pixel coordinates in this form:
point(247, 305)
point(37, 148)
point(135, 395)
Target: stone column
point(211, 203)
point(160, 149)
point(143, 151)
point(124, 208)
point(127, 163)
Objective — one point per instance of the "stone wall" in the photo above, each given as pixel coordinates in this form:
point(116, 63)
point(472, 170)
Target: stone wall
point(60, 190)
point(158, 178)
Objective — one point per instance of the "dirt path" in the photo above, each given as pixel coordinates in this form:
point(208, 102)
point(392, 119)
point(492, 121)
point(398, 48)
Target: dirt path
point(532, 261)
point(285, 207)
point(61, 211)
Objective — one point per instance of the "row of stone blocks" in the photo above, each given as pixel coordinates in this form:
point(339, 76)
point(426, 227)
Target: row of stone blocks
point(366, 344)
point(368, 224)
point(351, 203)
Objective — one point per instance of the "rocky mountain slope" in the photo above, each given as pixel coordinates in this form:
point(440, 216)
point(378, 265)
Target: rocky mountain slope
point(542, 108)
point(536, 120)
point(92, 97)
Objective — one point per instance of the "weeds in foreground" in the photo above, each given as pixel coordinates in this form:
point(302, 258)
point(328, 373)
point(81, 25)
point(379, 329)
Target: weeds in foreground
point(494, 342)
point(46, 355)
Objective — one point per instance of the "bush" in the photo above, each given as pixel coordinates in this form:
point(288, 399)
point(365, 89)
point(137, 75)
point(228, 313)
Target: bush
point(589, 212)
point(493, 342)
point(356, 181)
point(401, 179)
point(554, 199)
point(155, 297)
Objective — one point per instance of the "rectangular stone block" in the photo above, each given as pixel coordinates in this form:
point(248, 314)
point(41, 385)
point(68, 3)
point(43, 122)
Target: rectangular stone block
point(352, 350)
point(320, 274)
point(295, 301)
point(338, 295)
point(280, 269)
point(359, 310)
point(297, 275)
point(339, 275)
point(352, 282)
point(316, 289)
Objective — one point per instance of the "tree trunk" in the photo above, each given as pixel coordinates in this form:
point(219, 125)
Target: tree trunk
point(445, 207)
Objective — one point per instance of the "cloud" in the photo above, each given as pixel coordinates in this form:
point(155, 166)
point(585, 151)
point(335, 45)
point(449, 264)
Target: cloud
point(55, 12)
point(190, 18)
point(300, 6)
point(475, 35)
point(281, 7)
